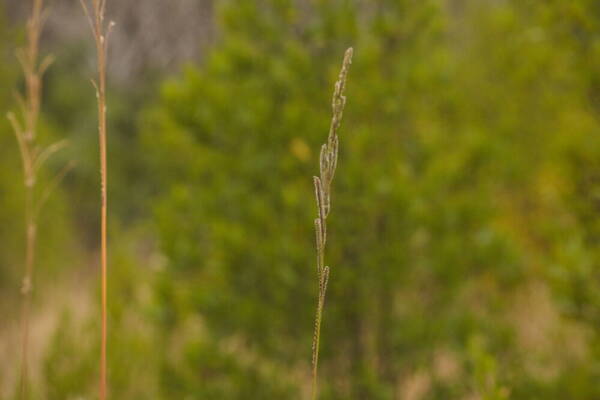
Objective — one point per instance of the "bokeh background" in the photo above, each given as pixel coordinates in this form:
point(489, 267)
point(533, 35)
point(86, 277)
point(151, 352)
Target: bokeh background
point(464, 253)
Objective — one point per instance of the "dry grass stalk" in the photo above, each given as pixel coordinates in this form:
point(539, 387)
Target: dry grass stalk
point(328, 163)
point(101, 32)
point(33, 157)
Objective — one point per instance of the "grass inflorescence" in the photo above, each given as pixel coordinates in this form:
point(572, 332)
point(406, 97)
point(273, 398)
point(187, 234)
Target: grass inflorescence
point(327, 163)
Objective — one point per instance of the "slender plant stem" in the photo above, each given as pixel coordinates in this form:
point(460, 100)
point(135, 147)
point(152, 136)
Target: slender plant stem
point(328, 164)
point(33, 157)
point(101, 32)
point(104, 204)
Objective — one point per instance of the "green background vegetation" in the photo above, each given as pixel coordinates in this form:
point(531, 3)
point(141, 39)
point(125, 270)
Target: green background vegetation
point(463, 238)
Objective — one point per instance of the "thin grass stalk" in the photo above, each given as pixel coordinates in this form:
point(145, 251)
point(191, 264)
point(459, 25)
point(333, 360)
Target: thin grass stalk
point(322, 183)
point(25, 127)
point(101, 32)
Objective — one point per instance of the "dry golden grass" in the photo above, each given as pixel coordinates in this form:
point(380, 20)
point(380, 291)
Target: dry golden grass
point(101, 31)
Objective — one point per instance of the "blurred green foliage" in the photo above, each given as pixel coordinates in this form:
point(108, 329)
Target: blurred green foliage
point(463, 238)
point(453, 192)
point(9, 182)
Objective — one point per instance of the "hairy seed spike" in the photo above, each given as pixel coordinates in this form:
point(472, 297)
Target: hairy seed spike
point(324, 162)
point(324, 281)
